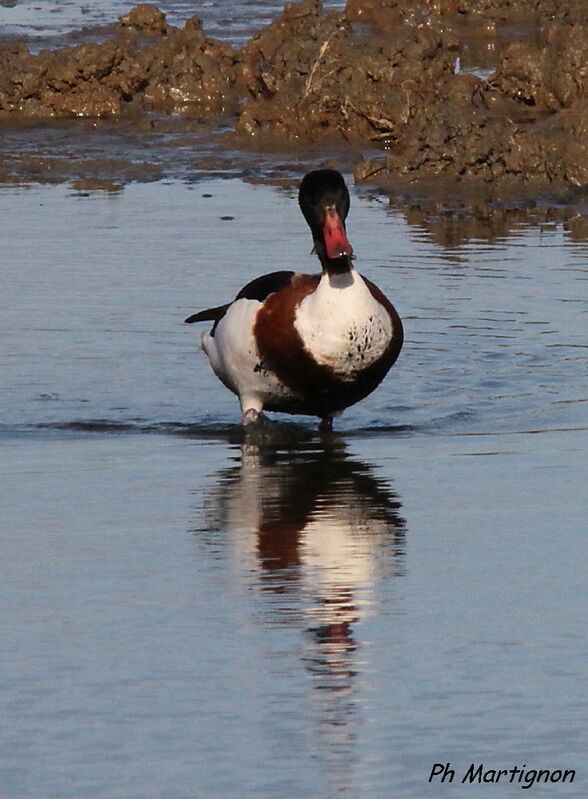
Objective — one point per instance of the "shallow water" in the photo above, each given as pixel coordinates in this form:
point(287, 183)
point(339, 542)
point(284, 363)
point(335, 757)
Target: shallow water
point(98, 283)
point(194, 613)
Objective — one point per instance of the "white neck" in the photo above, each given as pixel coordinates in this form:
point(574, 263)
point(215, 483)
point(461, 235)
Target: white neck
point(342, 325)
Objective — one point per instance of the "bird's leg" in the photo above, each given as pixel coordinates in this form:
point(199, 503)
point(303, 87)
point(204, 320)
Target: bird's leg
point(250, 416)
point(326, 424)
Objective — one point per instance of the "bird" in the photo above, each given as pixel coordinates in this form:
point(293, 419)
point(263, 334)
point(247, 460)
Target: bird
point(309, 344)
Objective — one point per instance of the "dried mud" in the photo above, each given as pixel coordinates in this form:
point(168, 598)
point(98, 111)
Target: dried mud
point(486, 96)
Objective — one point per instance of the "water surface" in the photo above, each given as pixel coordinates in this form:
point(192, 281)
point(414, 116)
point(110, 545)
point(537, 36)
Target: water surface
point(191, 612)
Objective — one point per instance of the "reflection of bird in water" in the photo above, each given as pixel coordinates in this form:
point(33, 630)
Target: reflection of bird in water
point(314, 524)
point(315, 532)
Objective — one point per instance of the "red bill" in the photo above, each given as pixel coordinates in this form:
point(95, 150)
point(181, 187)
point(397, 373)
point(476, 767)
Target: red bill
point(336, 240)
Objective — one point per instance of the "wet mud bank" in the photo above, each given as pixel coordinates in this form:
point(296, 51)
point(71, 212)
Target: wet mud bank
point(482, 97)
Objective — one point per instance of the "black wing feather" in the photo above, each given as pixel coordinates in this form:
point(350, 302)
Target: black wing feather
point(257, 289)
point(209, 315)
point(263, 286)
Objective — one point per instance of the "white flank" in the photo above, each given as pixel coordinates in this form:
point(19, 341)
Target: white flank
point(234, 358)
point(342, 325)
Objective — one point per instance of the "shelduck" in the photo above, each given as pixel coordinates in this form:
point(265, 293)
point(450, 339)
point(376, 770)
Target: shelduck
point(306, 344)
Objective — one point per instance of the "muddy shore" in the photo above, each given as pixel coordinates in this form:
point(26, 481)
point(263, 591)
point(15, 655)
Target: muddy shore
point(488, 97)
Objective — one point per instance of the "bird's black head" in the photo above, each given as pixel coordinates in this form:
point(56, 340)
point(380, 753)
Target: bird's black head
point(324, 201)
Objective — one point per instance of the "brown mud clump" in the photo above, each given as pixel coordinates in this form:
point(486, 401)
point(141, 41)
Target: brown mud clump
point(490, 94)
point(172, 70)
point(520, 129)
point(146, 18)
point(311, 77)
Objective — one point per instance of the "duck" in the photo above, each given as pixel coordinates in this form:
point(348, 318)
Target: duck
point(308, 344)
